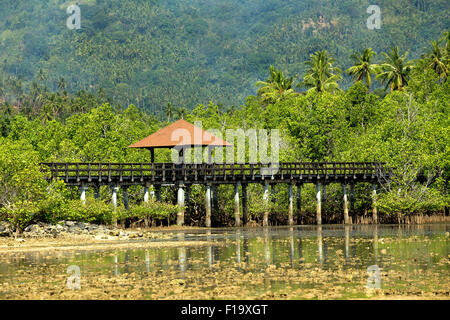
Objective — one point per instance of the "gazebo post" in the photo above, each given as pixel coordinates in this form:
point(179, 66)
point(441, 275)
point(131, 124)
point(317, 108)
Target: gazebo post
point(152, 155)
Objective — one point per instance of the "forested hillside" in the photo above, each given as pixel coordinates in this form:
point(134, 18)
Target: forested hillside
point(154, 52)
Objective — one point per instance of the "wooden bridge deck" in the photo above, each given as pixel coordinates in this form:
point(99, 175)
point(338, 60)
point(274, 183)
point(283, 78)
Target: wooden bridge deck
point(94, 174)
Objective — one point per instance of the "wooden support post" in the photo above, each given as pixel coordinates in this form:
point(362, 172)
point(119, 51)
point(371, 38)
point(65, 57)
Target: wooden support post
point(291, 205)
point(214, 205)
point(208, 206)
point(244, 204)
point(299, 202)
point(374, 204)
point(266, 203)
point(237, 217)
point(352, 198)
point(180, 214)
point(319, 204)
point(97, 192)
point(158, 193)
point(346, 216)
point(83, 194)
point(125, 197)
point(152, 155)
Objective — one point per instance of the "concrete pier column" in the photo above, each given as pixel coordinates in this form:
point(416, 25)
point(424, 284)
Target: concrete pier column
point(374, 204)
point(346, 216)
point(97, 192)
point(83, 190)
point(319, 204)
point(114, 190)
point(244, 204)
point(180, 202)
point(291, 205)
point(299, 202)
point(146, 193)
point(266, 203)
point(158, 192)
point(237, 217)
point(125, 197)
point(208, 206)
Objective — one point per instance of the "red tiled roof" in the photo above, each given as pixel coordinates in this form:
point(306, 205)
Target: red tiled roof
point(180, 133)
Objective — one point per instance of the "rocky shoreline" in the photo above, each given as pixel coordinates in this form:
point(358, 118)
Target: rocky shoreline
point(73, 228)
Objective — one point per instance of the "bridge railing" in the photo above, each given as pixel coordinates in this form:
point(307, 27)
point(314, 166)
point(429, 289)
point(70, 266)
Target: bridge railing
point(107, 172)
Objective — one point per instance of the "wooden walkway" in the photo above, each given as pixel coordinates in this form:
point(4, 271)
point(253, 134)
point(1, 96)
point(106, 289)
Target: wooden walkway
point(126, 174)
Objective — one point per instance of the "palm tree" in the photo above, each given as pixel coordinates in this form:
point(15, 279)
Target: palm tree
point(181, 112)
point(169, 111)
point(363, 69)
point(276, 87)
point(62, 84)
point(395, 70)
point(322, 75)
point(436, 60)
point(41, 76)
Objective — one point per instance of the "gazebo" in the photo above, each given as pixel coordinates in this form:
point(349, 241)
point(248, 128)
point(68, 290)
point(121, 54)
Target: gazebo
point(181, 135)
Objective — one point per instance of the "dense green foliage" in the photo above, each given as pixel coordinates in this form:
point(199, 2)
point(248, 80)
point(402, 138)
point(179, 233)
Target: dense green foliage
point(154, 52)
point(397, 111)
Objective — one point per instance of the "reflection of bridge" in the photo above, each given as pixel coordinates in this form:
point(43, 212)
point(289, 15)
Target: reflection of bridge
point(124, 175)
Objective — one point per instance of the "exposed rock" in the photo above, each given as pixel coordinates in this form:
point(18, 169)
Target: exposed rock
point(5, 229)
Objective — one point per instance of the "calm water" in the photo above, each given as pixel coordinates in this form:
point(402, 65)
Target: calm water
point(283, 262)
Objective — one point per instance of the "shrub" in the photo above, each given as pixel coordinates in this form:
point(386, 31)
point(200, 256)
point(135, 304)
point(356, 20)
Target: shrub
point(152, 210)
point(20, 214)
point(94, 211)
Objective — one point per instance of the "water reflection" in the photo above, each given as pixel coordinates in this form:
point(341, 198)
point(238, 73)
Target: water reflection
point(320, 243)
point(255, 249)
point(209, 250)
point(147, 261)
point(291, 246)
point(267, 255)
point(238, 247)
point(116, 265)
point(375, 243)
point(182, 254)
